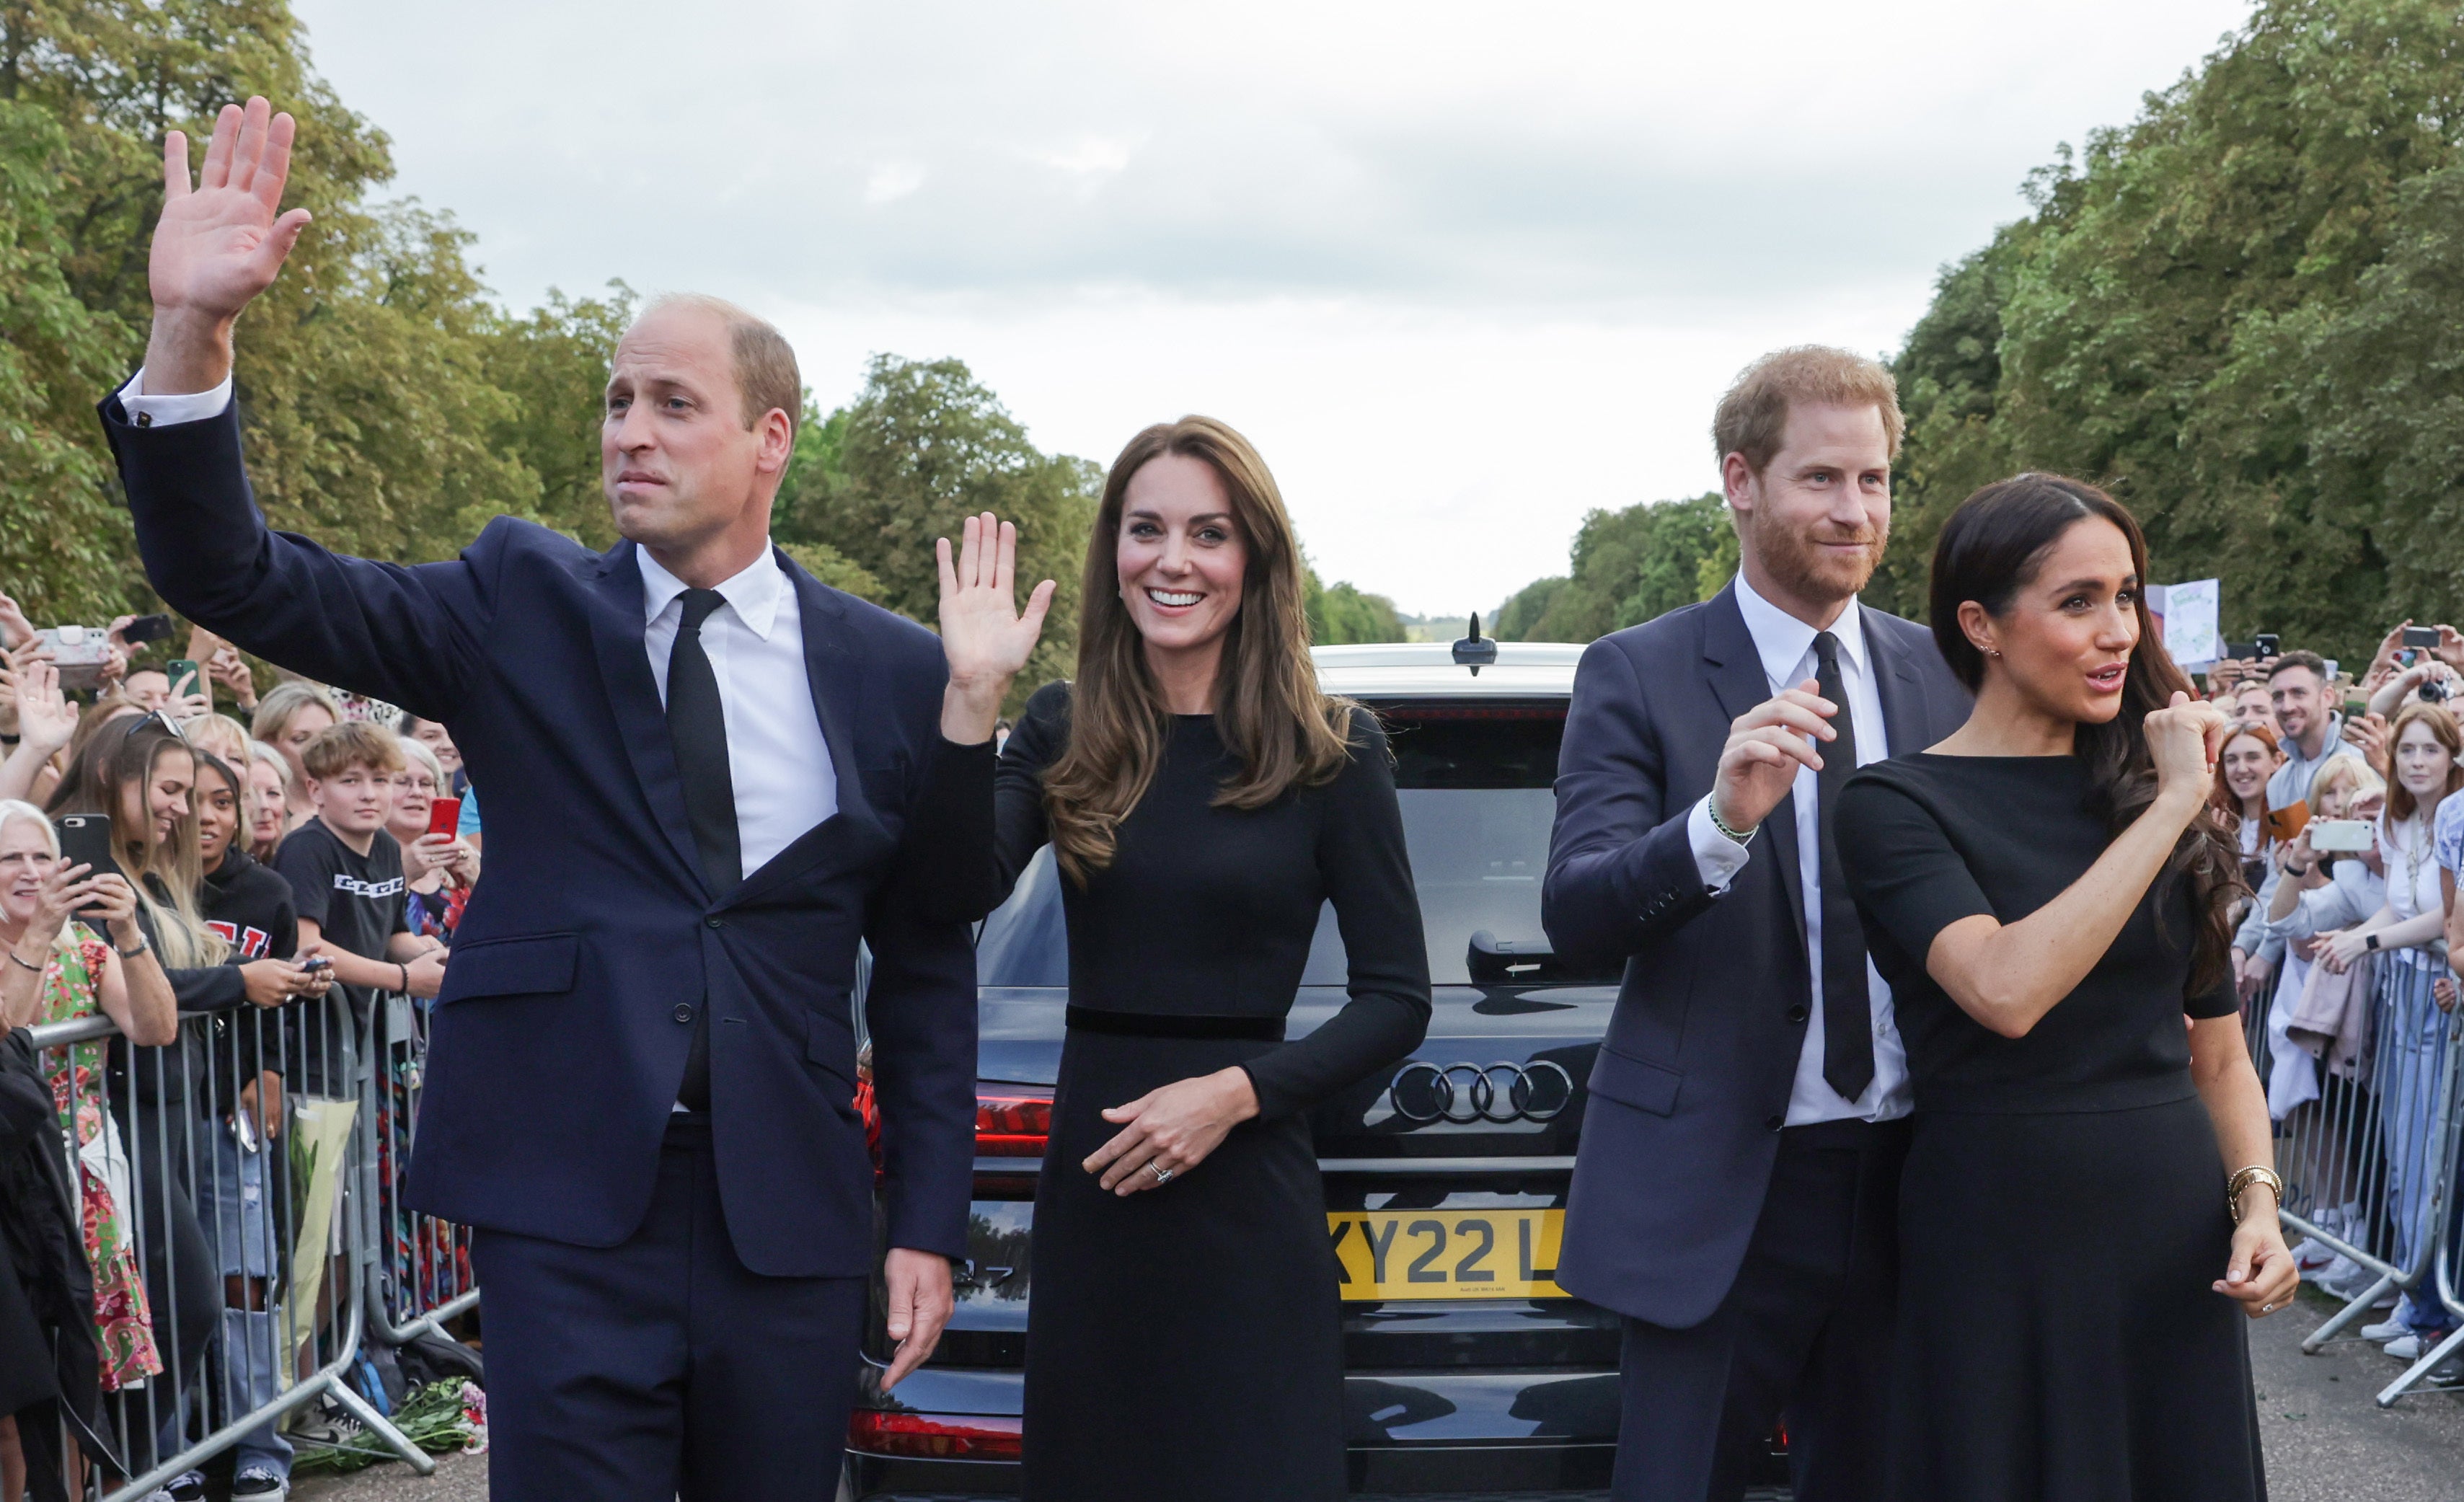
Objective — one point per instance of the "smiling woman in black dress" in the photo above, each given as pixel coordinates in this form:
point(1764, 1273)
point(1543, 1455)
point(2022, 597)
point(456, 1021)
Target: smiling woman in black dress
point(1203, 800)
point(2089, 1193)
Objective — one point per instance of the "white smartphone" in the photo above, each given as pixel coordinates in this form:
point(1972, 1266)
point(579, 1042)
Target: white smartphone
point(2342, 836)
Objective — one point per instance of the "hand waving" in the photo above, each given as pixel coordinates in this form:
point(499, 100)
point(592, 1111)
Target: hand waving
point(218, 245)
point(985, 637)
point(46, 721)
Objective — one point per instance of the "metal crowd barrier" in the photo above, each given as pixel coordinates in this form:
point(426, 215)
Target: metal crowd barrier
point(2370, 1157)
point(245, 1269)
point(426, 1278)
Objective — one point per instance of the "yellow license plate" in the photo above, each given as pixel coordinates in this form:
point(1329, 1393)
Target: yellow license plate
point(1392, 1254)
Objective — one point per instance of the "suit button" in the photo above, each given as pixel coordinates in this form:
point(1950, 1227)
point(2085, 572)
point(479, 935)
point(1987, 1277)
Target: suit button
point(1796, 1014)
point(715, 922)
point(1774, 1123)
point(683, 1012)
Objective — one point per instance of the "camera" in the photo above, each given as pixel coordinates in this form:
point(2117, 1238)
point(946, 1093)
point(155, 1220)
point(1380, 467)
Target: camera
point(2421, 636)
point(2268, 646)
point(2436, 690)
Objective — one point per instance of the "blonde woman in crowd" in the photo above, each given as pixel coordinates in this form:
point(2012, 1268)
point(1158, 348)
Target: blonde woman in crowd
point(438, 870)
point(60, 968)
point(292, 713)
point(219, 735)
point(269, 799)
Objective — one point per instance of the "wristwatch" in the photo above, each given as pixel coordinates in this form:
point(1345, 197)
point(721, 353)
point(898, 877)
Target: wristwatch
point(2371, 942)
point(130, 954)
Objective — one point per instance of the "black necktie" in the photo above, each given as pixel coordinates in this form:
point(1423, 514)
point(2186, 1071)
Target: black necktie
point(1847, 1016)
point(697, 724)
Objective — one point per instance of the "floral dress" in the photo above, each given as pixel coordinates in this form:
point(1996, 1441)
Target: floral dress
point(124, 1324)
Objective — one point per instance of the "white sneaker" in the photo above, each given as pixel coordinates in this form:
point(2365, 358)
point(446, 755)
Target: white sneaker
point(2345, 1279)
point(259, 1484)
point(2386, 1331)
point(2408, 1347)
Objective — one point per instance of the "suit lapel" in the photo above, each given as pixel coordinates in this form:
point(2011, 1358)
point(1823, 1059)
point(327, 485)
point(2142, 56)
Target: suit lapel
point(625, 671)
point(1734, 669)
point(836, 679)
point(1900, 687)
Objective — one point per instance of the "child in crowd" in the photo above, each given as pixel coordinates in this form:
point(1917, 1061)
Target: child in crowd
point(345, 870)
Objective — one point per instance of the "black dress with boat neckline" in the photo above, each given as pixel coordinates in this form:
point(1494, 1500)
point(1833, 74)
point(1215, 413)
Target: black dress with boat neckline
point(1185, 1343)
point(2062, 1215)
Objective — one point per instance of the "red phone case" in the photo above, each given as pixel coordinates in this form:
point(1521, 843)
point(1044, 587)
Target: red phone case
point(445, 816)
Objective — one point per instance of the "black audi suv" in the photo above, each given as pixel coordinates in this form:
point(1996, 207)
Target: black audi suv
point(1468, 1372)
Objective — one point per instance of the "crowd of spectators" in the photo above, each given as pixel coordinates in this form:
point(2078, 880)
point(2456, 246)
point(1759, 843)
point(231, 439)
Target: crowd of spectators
point(2343, 786)
point(272, 860)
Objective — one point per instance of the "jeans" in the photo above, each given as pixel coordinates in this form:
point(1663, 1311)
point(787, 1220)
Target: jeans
point(239, 1219)
point(2412, 1034)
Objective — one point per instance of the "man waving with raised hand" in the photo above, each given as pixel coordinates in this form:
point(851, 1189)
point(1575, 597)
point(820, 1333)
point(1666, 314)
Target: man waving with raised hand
point(706, 772)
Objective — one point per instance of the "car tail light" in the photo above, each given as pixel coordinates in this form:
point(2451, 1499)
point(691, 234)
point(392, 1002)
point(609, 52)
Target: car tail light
point(1012, 1122)
point(934, 1436)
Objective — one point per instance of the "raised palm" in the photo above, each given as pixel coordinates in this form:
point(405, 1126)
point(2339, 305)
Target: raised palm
point(984, 633)
point(45, 717)
point(221, 242)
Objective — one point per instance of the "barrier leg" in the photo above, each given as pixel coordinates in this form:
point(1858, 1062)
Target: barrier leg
point(360, 1409)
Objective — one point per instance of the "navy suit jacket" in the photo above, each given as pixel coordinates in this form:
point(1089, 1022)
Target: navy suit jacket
point(560, 1035)
point(1692, 1082)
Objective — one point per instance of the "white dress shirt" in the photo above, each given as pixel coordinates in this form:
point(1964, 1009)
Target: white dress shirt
point(776, 756)
point(1785, 646)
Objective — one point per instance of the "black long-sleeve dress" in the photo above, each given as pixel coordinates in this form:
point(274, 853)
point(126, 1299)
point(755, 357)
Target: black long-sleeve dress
point(2063, 1213)
point(1184, 1343)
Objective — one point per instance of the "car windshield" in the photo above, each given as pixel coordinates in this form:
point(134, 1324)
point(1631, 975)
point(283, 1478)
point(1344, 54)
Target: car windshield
point(1473, 781)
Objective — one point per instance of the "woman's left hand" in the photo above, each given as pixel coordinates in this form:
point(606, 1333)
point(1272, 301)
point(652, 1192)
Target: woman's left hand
point(986, 637)
point(2339, 949)
point(2262, 1276)
point(1172, 1129)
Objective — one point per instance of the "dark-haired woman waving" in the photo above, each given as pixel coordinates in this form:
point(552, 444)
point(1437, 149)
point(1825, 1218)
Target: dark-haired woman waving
point(2089, 1201)
point(1203, 800)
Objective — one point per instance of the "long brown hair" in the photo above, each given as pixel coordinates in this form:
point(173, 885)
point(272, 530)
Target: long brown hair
point(1993, 544)
point(2400, 801)
point(118, 766)
point(1268, 712)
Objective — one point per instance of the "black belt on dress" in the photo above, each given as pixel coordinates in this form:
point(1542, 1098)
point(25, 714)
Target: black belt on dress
point(1167, 1025)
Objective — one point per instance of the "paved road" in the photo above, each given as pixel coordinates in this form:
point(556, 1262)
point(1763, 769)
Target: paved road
point(2326, 1439)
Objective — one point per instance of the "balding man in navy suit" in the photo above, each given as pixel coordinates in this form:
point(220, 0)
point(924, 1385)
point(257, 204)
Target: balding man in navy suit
point(704, 771)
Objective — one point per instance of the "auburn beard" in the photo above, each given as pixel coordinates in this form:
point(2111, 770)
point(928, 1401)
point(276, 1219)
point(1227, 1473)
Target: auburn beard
point(1801, 562)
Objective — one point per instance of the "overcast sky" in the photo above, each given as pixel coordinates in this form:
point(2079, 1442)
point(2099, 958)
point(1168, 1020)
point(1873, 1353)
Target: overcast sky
point(1462, 272)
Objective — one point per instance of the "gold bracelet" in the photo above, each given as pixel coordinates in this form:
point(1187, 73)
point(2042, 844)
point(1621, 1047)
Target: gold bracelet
point(2255, 1173)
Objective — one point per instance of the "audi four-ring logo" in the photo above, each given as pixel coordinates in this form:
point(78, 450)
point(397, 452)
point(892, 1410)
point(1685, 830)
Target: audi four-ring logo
point(1423, 1092)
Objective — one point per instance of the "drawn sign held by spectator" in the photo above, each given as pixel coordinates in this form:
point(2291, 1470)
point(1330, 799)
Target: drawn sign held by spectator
point(2186, 615)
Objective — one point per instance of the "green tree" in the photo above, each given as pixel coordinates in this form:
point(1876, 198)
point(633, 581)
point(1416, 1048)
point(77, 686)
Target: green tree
point(1520, 616)
point(924, 446)
point(1341, 614)
point(370, 418)
point(1628, 567)
point(2234, 313)
point(553, 364)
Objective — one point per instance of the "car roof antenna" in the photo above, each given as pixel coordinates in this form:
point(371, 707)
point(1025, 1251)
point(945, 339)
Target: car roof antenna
point(1474, 650)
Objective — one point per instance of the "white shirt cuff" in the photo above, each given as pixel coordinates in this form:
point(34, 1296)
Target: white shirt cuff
point(1718, 857)
point(163, 411)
